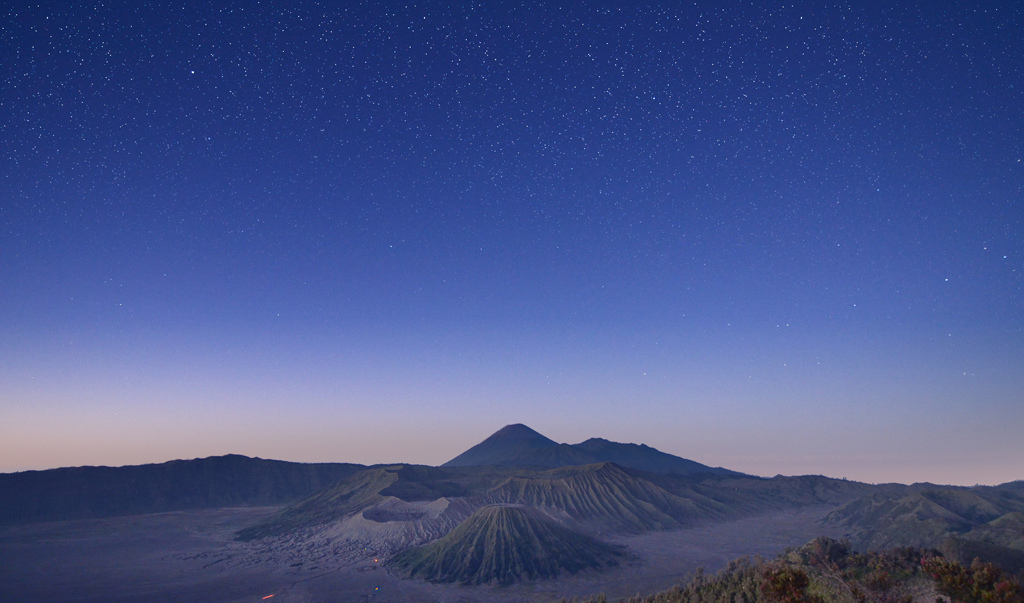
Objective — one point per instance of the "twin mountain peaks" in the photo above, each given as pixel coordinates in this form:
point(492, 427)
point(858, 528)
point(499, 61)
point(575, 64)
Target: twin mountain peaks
point(519, 446)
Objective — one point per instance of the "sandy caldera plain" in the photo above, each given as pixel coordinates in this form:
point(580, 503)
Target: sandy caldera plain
point(192, 556)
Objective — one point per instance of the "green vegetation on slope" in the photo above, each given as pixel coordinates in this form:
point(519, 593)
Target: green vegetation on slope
point(989, 521)
point(827, 570)
point(501, 544)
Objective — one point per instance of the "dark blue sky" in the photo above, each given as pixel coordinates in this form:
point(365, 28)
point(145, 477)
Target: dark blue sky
point(775, 237)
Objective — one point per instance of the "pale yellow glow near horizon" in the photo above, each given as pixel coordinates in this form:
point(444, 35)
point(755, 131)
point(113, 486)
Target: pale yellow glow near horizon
point(80, 438)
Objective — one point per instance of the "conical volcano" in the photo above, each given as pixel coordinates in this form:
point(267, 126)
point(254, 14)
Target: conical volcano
point(502, 544)
point(518, 445)
point(517, 431)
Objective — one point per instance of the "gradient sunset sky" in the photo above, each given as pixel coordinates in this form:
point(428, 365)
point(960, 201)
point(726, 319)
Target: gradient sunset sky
point(775, 237)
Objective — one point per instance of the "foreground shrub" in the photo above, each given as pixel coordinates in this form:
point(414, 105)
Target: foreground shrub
point(980, 583)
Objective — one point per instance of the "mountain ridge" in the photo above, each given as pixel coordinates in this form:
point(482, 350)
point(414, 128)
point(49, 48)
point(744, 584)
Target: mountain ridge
point(564, 498)
point(91, 492)
point(517, 445)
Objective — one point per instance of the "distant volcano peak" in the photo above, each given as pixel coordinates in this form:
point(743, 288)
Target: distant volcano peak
point(518, 445)
point(517, 431)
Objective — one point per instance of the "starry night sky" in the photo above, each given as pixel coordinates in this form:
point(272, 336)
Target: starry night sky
point(781, 238)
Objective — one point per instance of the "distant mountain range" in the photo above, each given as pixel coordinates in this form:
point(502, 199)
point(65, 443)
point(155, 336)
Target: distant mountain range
point(519, 446)
point(982, 521)
point(222, 481)
point(94, 492)
point(506, 506)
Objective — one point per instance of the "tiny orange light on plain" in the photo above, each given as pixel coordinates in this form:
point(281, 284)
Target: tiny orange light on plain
point(268, 596)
